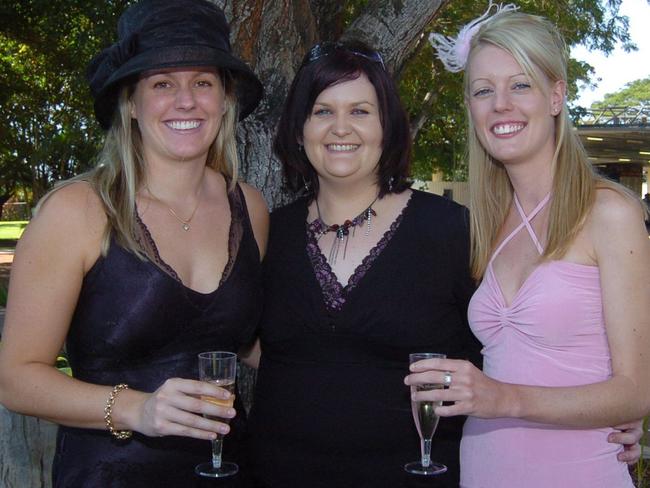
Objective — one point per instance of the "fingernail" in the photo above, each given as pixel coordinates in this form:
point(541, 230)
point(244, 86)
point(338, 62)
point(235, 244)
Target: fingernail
point(224, 429)
point(232, 412)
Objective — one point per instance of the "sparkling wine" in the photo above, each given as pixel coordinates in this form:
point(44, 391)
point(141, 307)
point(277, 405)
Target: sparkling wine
point(226, 385)
point(424, 413)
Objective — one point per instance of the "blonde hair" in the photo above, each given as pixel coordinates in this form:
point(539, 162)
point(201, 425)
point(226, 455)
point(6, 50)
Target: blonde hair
point(540, 50)
point(120, 169)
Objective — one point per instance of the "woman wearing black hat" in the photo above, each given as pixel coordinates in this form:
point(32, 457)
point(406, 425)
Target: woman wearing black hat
point(145, 261)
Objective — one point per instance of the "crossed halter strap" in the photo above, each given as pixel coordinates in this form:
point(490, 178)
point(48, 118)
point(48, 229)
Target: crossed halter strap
point(525, 222)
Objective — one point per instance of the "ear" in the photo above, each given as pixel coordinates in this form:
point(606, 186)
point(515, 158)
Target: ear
point(132, 110)
point(558, 96)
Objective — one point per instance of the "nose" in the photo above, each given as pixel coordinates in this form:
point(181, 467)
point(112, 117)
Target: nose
point(185, 97)
point(341, 126)
point(502, 102)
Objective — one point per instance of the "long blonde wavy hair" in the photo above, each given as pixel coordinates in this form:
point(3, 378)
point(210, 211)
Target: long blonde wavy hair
point(540, 50)
point(120, 169)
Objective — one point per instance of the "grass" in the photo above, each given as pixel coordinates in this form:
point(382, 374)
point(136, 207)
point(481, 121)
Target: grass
point(12, 230)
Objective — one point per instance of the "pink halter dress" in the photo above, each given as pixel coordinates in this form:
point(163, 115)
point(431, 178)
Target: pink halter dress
point(551, 334)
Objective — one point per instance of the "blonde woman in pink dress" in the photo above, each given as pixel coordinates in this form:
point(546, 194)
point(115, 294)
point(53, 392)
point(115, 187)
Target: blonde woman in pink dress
point(563, 261)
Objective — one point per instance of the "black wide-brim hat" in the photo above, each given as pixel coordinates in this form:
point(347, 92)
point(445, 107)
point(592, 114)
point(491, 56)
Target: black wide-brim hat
point(158, 34)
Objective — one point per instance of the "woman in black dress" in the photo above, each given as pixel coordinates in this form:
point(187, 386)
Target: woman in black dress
point(359, 273)
point(142, 263)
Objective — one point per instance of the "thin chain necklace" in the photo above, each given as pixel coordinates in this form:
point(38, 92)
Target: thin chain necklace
point(184, 222)
point(342, 231)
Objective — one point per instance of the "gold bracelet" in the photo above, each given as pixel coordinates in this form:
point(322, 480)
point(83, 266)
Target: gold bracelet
point(108, 412)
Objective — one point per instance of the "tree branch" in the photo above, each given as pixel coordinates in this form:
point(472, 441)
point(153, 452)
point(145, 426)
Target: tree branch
point(393, 27)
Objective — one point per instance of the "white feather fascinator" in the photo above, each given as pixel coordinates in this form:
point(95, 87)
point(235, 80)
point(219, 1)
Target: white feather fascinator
point(453, 52)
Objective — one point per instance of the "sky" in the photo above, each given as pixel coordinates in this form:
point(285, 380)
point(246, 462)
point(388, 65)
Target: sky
point(619, 68)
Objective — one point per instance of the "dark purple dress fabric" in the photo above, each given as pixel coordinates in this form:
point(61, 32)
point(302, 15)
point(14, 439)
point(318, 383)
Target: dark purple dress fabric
point(136, 323)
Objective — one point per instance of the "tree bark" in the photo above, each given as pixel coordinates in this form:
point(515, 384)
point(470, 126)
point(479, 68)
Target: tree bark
point(26, 451)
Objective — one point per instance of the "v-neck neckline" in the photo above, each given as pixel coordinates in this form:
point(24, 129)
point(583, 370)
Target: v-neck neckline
point(171, 273)
point(327, 280)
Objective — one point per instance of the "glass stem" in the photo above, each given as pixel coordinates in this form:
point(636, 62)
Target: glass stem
point(426, 453)
point(216, 452)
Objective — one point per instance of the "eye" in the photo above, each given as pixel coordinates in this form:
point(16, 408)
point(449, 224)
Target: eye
point(161, 84)
point(482, 92)
point(320, 112)
point(204, 83)
point(359, 111)
point(521, 85)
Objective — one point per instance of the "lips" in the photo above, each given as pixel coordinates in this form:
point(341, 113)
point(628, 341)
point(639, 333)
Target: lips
point(507, 128)
point(342, 147)
point(183, 124)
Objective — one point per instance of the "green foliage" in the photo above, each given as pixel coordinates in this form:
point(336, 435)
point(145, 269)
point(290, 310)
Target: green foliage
point(47, 131)
point(634, 93)
point(641, 470)
point(439, 144)
point(3, 294)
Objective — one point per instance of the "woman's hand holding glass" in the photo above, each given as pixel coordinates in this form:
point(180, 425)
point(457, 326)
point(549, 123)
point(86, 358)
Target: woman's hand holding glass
point(469, 389)
point(218, 368)
point(426, 422)
point(176, 408)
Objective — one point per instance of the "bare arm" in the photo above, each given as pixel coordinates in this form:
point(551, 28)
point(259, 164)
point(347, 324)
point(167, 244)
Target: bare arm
point(53, 255)
point(622, 251)
point(259, 215)
point(250, 355)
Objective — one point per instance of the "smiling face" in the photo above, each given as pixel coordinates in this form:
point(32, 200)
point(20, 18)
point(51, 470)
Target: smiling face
point(179, 112)
point(343, 134)
point(513, 118)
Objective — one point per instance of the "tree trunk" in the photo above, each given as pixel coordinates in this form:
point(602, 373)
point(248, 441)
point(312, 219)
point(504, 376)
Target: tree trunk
point(26, 451)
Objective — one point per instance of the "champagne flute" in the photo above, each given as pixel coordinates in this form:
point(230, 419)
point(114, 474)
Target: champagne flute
point(426, 422)
point(220, 369)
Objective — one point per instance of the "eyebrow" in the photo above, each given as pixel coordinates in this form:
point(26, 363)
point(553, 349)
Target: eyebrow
point(363, 102)
point(488, 79)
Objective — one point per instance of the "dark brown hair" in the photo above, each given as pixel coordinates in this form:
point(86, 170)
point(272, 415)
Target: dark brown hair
point(326, 65)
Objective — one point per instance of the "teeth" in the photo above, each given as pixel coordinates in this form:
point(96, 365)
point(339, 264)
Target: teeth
point(507, 128)
point(342, 147)
point(183, 124)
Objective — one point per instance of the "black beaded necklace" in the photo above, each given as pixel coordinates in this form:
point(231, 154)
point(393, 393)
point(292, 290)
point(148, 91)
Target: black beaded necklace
point(342, 231)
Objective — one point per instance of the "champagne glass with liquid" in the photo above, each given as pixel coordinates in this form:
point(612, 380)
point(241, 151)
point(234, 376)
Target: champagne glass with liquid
point(220, 369)
point(426, 422)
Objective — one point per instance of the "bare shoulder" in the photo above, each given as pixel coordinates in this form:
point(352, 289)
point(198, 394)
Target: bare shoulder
point(616, 221)
point(73, 201)
point(613, 207)
point(259, 215)
point(70, 219)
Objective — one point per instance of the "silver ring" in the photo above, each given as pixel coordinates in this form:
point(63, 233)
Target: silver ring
point(447, 378)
